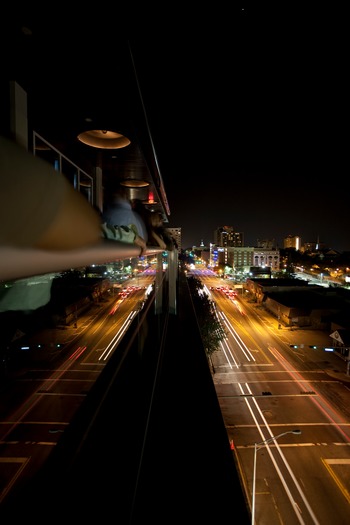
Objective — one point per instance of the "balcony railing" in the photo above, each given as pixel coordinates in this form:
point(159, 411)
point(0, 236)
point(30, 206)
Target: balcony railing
point(80, 180)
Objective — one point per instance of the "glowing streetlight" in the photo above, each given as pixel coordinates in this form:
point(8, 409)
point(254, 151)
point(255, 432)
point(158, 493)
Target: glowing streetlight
point(258, 446)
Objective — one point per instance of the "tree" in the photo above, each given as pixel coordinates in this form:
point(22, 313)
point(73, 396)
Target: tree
point(210, 327)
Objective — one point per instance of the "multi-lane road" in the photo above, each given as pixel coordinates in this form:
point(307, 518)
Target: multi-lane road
point(40, 404)
point(266, 389)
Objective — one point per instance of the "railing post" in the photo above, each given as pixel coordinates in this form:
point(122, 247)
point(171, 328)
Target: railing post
point(172, 279)
point(158, 284)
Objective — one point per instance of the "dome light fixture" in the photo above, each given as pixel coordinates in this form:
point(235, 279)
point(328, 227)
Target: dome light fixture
point(134, 183)
point(103, 139)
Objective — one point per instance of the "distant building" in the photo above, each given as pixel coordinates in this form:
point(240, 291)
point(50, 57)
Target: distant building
point(267, 244)
point(200, 253)
point(239, 258)
point(292, 241)
point(313, 247)
point(267, 259)
point(227, 237)
point(243, 259)
point(260, 272)
point(176, 235)
point(297, 303)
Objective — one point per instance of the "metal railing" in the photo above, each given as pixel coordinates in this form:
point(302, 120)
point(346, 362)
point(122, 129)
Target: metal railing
point(80, 180)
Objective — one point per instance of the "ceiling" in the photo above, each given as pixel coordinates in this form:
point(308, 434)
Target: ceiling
point(79, 78)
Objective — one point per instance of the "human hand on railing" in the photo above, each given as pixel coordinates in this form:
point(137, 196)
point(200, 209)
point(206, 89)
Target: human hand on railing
point(139, 241)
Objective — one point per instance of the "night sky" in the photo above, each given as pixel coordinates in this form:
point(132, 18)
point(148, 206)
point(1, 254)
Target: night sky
point(249, 127)
point(248, 110)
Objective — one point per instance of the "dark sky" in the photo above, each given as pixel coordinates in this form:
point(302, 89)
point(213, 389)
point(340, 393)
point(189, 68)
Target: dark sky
point(249, 127)
point(248, 110)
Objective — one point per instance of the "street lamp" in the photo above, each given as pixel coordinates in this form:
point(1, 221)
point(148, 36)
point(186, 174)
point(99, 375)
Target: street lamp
point(258, 446)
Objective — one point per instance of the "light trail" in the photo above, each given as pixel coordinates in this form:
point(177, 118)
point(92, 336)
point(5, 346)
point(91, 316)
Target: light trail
point(283, 481)
point(47, 385)
point(320, 402)
point(225, 343)
point(117, 338)
point(247, 353)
